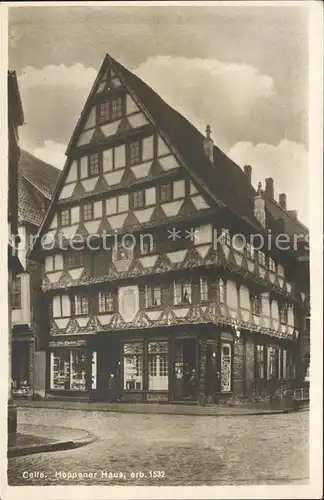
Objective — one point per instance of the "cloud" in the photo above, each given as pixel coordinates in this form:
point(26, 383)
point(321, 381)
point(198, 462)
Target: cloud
point(58, 76)
point(222, 94)
point(286, 163)
point(52, 153)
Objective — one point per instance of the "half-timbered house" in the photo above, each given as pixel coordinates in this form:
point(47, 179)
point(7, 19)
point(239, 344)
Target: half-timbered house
point(152, 285)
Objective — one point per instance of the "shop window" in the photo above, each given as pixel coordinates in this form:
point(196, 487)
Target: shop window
point(16, 293)
point(75, 259)
point(166, 193)
point(138, 199)
point(94, 165)
point(152, 296)
point(203, 289)
point(88, 211)
point(222, 291)
point(106, 302)
point(68, 370)
point(272, 371)
point(158, 378)
point(135, 152)
point(256, 304)
point(260, 361)
point(65, 217)
point(81, 305)
point(133, 366)
point(181, 293)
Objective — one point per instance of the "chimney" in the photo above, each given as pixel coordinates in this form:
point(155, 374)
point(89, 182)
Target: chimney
point(293, 213)
point(259, 206)
point(269, 188)
point(248, 172)
point(209, 144)
point(283, 200)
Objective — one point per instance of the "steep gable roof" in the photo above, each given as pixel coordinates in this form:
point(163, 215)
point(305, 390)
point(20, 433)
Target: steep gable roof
point(36, 184)
point(221, 180)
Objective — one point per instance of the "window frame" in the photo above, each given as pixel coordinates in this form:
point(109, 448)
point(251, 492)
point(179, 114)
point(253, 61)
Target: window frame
point(149, 291)
point(260, 365)
point(139, 158)
point(202, 293)
point(182, 284)
point(262, 261)
point(108, 297)
point(104, 118)
point(68, 211)
point(256, 299)
point(74, 265)
point(161, 187)
point(99, 156)
point(82, 297)
point(283, 311)
point(272, 265)
point(133, 205)
point(87, 206)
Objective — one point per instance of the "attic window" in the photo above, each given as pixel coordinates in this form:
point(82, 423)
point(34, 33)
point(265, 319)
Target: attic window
point(166, 192)
point(110, 110)
point(135, 152)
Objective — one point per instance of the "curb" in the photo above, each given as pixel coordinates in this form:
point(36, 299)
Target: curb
point(175, 411)
point(18, 451)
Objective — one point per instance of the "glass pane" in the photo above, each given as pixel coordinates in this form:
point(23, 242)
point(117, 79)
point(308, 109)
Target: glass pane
point(133, 348)
point(60, 370)
point(78, 370)
point(133, 372)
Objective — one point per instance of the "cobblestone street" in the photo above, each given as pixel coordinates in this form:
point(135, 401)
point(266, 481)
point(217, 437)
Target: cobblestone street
point(176, 450)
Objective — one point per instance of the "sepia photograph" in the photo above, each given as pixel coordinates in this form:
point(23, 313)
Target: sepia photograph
point(162, 208)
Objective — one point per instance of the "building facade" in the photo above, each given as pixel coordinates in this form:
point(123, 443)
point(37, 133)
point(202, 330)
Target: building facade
point(153, 289)
point(36, 183)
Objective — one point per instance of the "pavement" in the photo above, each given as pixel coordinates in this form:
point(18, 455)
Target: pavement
point(44, 438)
point(262, 408)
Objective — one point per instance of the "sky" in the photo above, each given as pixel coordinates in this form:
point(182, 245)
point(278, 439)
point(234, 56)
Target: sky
point(241, 69)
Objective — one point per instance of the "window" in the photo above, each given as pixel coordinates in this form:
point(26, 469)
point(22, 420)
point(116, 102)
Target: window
point(111, 110)
point(75, 259)
point(138, 199)
point(226, 237)
point(16, 293)
point(250, 251)
point(152, 296)
point(53, 263)
point(133, 366)
point(203, 289)
point(104, 112)
point(182, 293)
point(222, 291)
point(166, 193)
point(81, 305)
point(260, 361)
point(147, 246)
point(88, 211)
point(256, 305)
point(68, 370)
point(261, 258)
point(65, 217)
point(158, 377)
point(283, 314)
point(282, 364)
point(135, 153)
point(272, 363)
point(272, 265)
point(61, 306)
point(116, 108)
point(94, 165)
point(106, 302)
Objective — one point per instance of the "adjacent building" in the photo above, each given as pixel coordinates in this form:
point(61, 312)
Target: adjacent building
point(153, 287)
point(36, 183)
